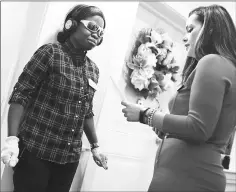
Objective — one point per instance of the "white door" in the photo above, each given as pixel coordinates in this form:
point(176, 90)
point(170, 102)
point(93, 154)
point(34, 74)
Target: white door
point(131, 147)
point(19, 40)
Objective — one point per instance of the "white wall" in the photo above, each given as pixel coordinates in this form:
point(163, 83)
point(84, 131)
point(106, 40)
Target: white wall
point(12, 28)
point(185, 7)
point(20, 27)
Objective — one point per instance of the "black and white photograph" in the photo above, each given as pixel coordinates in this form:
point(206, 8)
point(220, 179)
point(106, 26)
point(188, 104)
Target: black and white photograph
point(118, 96)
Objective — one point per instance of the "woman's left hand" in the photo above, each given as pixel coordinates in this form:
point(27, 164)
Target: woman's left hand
point(99, 158)
point(131, 111)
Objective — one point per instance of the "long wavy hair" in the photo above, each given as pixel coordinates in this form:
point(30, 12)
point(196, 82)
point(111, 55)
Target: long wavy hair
point(217, 36)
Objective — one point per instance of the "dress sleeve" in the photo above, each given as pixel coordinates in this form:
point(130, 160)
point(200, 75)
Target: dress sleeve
point(33, 73)
point(206, 98)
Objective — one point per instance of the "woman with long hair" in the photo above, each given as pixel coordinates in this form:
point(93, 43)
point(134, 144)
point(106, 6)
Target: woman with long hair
point(202, 112)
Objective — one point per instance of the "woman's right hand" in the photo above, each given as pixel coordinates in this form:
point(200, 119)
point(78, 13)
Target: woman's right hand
point(132, 111)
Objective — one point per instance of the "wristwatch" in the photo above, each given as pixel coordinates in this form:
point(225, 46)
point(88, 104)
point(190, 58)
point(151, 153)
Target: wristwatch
point(94, 145)
point(142, 115)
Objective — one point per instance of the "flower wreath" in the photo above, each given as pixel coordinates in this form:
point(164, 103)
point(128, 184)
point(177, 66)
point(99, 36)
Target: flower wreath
point(151, 64)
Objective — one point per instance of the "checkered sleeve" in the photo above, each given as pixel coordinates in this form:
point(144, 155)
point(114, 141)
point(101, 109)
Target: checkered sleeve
point(32, 75)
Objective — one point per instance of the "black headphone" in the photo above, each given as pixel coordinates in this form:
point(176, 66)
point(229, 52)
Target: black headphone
point(71, 25)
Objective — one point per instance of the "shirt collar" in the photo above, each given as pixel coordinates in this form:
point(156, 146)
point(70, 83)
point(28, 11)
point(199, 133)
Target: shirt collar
point(78, 55)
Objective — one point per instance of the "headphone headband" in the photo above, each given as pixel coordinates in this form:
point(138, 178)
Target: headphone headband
point(80, 9)
point(71, 23)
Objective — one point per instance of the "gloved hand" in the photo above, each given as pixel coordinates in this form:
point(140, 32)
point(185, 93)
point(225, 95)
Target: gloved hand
point(10, 151)
point(99, 158)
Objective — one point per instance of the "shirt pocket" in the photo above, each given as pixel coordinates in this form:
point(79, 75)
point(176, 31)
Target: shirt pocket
point(77, 107)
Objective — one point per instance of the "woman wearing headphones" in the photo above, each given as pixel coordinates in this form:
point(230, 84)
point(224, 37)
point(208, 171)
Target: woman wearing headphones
point(51, 105)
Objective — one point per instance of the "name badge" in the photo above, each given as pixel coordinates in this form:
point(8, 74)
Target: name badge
point(92, 84)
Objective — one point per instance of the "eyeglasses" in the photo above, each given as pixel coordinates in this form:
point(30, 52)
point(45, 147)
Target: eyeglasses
point(93, 27)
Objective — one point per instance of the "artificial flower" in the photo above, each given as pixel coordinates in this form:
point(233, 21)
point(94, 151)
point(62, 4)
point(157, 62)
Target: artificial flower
point(153, 82)
point(156, 38)
point(139, 79)
point(155, 91)
point(159, 75)
point(144, 58)
point(167, 42)
point(140, 62)
point(143, 36)
point(144, 49)
point(162, 53)
point(152, 63)
point(154, 87)
point(169, 57)
point(145, 72)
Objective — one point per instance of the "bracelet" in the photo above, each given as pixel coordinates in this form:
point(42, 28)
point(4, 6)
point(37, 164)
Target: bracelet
point(94, 145)
point(142, 114)
point(150, 117)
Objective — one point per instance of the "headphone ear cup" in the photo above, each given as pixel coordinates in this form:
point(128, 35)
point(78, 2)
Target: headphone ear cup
point(100, 42)
point(70, 25)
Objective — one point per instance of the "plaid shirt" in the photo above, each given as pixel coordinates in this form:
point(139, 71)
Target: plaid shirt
point(56, 93)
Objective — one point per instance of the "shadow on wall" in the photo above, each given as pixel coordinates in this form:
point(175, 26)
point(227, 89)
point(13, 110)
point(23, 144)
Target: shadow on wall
point(52, 38)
